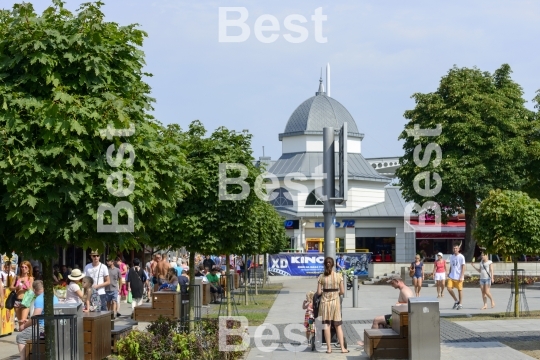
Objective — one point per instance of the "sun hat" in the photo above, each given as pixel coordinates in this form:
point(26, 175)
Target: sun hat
point(75, 275)
point(439, 254)
point(94, 252)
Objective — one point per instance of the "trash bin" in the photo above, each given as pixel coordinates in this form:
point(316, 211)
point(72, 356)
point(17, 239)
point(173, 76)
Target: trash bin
point(424, 328)
point(63, 333)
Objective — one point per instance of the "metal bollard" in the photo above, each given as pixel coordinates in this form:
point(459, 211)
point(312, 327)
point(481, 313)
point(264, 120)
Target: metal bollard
point(355, 292)
point(345, 284)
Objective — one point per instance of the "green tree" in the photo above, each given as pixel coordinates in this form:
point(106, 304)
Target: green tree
point(532, 186)
point(266, 233)
point(508, 223)
point(483, 143)
point(64, 78)
point(204, 223)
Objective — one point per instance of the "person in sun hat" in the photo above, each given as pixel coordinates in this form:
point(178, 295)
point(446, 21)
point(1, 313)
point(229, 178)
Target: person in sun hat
point(384, 321)
point(74, 293)
point(100, 274)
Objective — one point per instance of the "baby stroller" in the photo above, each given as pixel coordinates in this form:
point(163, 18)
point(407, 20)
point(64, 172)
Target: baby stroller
point(333, 335)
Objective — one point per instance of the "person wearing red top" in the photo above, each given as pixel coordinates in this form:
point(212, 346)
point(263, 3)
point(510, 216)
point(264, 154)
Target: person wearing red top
point(439, 274)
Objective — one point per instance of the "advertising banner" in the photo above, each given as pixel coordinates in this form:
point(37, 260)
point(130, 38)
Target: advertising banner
point(312, 264)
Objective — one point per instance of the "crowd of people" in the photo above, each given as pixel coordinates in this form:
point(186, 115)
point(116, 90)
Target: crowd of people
point(104, 287)
point(325, 302)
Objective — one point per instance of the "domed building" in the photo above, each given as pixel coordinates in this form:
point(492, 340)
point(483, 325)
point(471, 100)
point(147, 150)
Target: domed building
point(373, 217)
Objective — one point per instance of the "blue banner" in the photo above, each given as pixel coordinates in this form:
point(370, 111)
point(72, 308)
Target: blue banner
point(312, 264)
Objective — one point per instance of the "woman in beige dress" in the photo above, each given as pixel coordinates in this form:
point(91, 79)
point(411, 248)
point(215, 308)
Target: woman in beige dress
point(330, 285)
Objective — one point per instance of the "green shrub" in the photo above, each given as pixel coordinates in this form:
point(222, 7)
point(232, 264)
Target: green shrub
point(167, 339)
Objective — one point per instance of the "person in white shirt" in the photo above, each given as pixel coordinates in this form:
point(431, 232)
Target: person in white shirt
point(5, 274)
point(100, 274)
point(486, 279)
point(456, 276)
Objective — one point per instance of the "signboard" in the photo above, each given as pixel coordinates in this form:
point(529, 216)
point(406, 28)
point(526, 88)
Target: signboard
point(312, 264)
point(292, 224)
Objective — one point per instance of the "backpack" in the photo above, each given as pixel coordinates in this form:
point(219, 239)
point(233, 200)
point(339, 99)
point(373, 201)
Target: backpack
point(95, 301)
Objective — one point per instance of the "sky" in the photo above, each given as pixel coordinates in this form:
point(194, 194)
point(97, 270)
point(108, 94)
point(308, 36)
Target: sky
point(380, 51)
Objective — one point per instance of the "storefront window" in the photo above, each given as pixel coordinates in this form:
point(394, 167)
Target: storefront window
point(382, 248)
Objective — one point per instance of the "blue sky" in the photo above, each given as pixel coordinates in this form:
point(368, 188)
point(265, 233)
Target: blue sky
point(380, 52)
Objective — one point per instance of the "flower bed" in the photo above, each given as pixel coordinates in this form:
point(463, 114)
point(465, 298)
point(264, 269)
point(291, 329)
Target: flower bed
point(167, 339)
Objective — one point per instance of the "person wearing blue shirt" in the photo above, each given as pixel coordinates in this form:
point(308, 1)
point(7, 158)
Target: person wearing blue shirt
point(340, 263)
point(39, 305)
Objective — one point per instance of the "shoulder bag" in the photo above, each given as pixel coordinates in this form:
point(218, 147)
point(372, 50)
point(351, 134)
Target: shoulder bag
point(27, 299)
point(411, 270)
point(10, 301)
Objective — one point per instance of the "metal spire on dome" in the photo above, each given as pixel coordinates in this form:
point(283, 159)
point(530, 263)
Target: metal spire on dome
point(321, 87)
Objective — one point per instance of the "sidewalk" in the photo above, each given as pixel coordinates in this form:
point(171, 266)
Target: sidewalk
point(466, 339)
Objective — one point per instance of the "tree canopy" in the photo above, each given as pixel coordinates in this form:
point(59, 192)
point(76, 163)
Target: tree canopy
point(508, 223)
point(207, 222)
point(483, 143)
point(72, 90)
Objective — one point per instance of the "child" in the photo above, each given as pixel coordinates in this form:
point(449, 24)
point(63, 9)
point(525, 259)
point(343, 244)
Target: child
point(91, 299)
point(308, 317)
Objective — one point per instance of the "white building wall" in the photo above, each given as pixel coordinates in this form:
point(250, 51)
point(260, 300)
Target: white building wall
point(314, 143)
point(350, 240)
point(361, 194)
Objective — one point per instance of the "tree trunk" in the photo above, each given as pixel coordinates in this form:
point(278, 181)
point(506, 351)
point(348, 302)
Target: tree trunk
point(230, 284)
point(516, 288)
point(470, 225)
point(256, 260)
point(265, 266)
point(192, 290)
point(48, 295)
point(246, 302)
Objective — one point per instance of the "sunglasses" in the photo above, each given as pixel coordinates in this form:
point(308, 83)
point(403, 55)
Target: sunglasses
point(95, 256)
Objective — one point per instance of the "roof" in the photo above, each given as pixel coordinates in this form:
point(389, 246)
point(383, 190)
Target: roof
point(392, 206)
point(311, 163)
point(316, 113)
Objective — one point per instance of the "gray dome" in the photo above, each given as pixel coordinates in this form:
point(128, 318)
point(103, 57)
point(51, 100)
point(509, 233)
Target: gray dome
point(316, 113)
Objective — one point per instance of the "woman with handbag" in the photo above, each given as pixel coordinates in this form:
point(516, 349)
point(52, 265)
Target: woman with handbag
point(330, 286)
point(486, 279)
point(22, 285)
point(417, 271)
point(135, 283)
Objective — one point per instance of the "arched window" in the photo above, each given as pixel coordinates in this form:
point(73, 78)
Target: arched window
point(315, 197)
point(281, 197)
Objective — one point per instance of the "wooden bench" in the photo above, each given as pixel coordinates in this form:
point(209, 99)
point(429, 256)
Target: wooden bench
point(390, 343)
point(164, 303)
point(119, 332)
point(31, 350)
point(97, 335)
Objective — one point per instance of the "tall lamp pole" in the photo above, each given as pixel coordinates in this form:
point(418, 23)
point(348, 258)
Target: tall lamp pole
point(329, 210)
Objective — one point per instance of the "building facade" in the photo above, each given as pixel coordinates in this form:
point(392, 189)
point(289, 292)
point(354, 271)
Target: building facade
point(373, 217)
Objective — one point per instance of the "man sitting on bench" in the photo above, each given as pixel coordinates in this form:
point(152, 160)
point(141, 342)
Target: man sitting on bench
point(385, 321)
point(215, 288)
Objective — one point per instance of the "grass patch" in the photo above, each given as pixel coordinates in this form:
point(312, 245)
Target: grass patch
point(534, 314)
point(255, 313)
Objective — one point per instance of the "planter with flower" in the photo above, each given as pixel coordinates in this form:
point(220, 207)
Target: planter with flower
point(60, 290)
